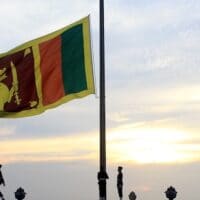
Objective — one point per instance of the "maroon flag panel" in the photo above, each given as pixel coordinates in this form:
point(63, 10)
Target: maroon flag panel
point(17, 82)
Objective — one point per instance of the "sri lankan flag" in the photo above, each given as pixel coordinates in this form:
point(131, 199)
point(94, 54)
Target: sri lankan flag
point(47, 71)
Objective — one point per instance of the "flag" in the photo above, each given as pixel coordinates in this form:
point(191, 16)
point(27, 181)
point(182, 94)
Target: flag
point(47, 71)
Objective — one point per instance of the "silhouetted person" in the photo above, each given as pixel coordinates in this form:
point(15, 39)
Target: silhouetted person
point(120, 182)
point(1, 196)
point(1, 177)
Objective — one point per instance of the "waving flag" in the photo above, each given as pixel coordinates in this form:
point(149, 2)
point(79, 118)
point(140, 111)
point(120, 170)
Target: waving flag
point(47, 71)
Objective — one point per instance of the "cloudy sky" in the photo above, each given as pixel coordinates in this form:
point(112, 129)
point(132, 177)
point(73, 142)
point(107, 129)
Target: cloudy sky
point(152, 99)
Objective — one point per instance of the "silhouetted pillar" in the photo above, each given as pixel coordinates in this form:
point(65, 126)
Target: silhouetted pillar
point(171, 193)
point(20, 194)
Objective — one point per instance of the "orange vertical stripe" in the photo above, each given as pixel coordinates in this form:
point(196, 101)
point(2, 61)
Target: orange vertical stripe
point(52, 82)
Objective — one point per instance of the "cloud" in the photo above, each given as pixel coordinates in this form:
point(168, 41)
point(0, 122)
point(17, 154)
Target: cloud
point(143, 188)
point(151, 144)
point(26, 20)
point(142, 142)
point(68, 119)
point(153, 37)
point(6, 132)
point(80, 147)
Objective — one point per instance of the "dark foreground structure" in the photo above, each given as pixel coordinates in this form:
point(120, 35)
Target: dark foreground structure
point(170, 193)
point(19, 194)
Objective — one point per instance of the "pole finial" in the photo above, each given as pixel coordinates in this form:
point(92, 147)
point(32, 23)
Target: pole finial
point(171, 193)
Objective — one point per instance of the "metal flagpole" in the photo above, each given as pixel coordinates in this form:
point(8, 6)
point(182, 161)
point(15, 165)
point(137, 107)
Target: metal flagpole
point(102, 174)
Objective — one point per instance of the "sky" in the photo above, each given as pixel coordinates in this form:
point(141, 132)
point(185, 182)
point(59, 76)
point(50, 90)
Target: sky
point(152, 103)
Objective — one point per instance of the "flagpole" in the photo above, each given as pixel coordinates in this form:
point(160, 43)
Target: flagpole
point(102, 175)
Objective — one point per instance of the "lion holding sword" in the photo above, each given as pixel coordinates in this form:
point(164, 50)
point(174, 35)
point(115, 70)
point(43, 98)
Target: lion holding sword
point(6, 94)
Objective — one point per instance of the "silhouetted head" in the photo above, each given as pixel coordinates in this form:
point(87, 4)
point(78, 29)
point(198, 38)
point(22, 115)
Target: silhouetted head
point(120, 168)
point(0, 165)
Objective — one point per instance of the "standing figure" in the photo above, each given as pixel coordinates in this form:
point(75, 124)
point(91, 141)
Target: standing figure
point(120, 182)
point(1, 196)
point(1, 182)
point(1, 177)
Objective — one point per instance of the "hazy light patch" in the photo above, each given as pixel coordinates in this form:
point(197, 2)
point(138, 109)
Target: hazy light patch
point(117, 117)
point(177, 95)
point(184, 94)
point(6, 131)
point(151, 145)
point(147, 15)
point(169, 100)
point(141, 143)
point(143, 188)
point(81, 147)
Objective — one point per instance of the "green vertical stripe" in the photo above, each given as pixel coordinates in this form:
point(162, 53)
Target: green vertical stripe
point(73, 65)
